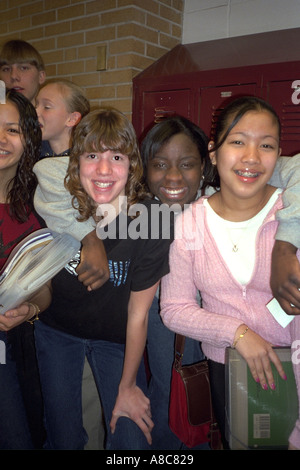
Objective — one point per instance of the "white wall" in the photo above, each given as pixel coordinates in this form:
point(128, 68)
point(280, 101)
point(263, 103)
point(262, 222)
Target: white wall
point(205, 20)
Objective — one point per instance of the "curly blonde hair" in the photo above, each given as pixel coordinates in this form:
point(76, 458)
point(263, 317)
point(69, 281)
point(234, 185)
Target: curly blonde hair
point(100, 130)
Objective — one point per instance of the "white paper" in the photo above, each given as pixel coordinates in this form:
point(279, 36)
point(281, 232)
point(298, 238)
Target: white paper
point(278, 313)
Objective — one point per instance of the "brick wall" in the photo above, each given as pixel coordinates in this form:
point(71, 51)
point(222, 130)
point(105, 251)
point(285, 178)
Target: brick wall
point(71, 34)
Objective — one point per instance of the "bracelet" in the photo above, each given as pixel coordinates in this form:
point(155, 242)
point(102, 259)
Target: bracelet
point(241, 336)
point(36, 313)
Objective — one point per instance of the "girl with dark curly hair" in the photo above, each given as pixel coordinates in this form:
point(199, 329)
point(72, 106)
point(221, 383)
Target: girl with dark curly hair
point(20, 139)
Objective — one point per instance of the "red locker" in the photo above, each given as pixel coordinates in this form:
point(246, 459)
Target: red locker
point(212, 101)
point(193, 81)
point(280, 95)
point(158, 105)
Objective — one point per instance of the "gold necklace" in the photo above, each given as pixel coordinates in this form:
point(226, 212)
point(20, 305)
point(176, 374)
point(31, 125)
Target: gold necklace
point(243, 229)
point(235, 247)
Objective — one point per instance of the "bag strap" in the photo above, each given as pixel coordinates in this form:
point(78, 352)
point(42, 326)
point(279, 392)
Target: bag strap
point(178, 351)
point(179, 344)
point(215, 437)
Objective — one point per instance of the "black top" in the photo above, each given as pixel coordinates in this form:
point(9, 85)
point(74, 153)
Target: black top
point(46, 151)
point(134, 264)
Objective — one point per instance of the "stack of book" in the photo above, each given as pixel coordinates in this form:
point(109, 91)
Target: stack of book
point(35, 260)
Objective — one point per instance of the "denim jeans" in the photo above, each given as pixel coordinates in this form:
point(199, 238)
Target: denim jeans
point(160, 349)
point(61, 360)
point(14, 429)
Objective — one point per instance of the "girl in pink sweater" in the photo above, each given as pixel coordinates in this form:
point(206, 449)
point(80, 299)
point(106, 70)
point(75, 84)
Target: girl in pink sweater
point(223, 246)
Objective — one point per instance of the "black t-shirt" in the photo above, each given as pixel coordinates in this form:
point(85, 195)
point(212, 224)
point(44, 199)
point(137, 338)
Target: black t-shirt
point(134, 264)
point(46, 151)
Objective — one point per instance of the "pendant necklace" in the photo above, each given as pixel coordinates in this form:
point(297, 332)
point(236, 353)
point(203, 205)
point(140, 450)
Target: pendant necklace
point(234, 226)
point(235, 248)
point(235, 244)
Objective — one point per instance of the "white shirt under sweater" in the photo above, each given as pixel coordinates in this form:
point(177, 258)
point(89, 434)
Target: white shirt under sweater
point(242, 234)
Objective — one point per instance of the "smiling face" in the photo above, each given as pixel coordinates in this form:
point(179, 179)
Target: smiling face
point(247, 158)
point(22, 77)
point(174, 173)
point(104, 175)
point(11, 146)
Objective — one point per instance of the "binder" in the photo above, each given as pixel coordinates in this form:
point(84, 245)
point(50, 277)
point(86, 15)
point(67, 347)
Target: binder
point(33, 262)
point(257, 418)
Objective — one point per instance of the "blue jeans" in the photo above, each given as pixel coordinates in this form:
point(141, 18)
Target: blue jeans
point(14, 429)
point(160, 349)
point(61, 360)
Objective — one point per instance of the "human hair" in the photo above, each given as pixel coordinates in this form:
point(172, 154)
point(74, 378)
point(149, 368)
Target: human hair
point(19, 51)
point(100, 130)
point(231, 115)
point(21, 187)
point(73, 95)
point(162, 132)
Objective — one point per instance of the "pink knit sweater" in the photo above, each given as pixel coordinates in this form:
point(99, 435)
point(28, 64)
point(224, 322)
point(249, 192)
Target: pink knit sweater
point(226, 303)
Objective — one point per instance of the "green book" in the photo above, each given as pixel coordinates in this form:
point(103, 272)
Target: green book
point(257, 418)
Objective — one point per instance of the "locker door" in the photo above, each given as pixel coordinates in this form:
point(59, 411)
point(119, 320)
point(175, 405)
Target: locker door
point(158, 105)
point(284, 97)
point(212, 100)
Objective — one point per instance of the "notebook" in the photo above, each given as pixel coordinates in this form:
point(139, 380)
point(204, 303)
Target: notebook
point(257, 418)
point(35, 260)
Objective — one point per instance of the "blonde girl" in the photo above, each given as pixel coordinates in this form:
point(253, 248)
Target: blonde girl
point(60, 104)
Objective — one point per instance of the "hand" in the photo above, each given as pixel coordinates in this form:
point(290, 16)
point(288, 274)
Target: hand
point(133, 404)
point(16, 316)
point(258, 353)
point(93, 269)
point(285, 277)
